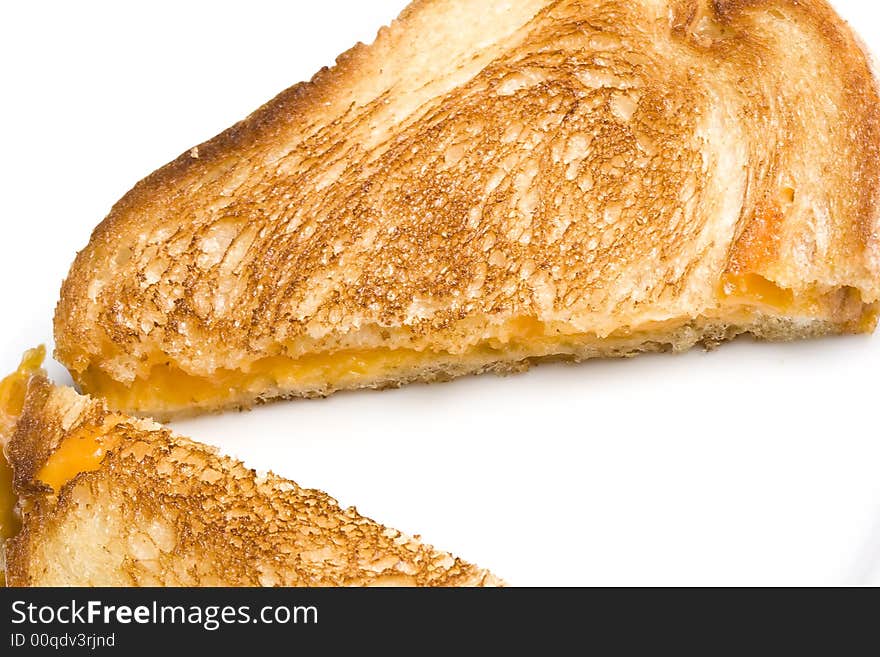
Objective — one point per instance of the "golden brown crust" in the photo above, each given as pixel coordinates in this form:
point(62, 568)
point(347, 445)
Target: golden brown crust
point(597, 166)
point(163, 510)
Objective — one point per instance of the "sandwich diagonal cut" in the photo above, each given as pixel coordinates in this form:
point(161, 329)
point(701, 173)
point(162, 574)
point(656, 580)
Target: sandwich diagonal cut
point(97, 498)
point(490, 184)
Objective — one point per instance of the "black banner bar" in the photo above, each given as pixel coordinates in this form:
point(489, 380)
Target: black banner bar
point(386, 621)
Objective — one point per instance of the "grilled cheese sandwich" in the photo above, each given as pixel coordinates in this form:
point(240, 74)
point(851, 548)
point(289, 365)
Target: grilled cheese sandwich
point(101, 499)
point(491, 184)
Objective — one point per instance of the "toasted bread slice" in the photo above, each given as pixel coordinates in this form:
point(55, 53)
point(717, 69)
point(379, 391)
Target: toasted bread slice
point(108, 500)
point(492, 183)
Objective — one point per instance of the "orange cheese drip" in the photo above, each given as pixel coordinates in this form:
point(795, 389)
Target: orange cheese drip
point(12, 396)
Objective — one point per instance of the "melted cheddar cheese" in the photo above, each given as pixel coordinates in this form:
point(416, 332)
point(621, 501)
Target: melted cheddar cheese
point(179, 390)
point(168, 388)
point(756, 290)
point(12, 396)
point(83, 451)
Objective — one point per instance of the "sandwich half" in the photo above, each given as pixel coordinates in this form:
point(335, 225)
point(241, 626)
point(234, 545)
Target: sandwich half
point(490, 184)
point(90, 497)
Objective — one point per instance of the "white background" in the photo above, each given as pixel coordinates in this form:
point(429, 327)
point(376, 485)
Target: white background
point(754, 464)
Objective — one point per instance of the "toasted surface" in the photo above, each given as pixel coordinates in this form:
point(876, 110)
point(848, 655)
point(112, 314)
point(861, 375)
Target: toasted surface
point(491, 183)
point(131, 504)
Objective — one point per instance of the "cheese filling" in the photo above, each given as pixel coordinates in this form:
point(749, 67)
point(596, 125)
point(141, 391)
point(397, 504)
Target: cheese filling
point(13, 390)
point(169, 388)
point(83, 451)
point(757, 291)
